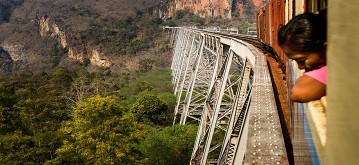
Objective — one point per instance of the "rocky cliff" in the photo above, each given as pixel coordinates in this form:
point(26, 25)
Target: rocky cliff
point(203, 8)
point(257, 3)
point(207, 8)
point(43, 34)
point(72, 53)
point(40, 34)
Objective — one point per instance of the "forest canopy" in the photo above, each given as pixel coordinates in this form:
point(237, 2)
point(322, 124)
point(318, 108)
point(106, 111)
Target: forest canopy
point(77, 117)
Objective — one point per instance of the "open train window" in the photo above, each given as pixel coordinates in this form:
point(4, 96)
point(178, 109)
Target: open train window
point(314, 6)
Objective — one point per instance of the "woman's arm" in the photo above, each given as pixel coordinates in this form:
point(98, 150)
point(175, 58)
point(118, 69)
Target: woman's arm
point(307, 89)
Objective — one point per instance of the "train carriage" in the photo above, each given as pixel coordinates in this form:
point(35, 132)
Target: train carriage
point(307, 123)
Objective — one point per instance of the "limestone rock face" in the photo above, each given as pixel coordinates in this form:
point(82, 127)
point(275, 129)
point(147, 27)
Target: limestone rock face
point(44, 25)
point(16, 52)
point(203, 8)
point(96, 59)
point(60, 35)
point(257, 3)
point(73, 54)
point(55, 29)
point(94, 55)
point(62, 38)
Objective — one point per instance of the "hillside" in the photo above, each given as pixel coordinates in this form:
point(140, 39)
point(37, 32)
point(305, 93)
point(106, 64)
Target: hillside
point(46, 34)
point(215, 8)
point(120, 35)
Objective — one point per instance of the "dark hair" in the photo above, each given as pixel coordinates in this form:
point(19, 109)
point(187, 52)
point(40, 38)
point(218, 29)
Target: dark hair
point(304, 33)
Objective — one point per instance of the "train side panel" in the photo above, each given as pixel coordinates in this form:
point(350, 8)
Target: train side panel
point(270, 18)
point(277, 20)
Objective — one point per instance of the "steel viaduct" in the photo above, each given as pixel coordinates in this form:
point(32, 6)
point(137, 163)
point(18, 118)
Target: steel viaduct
point(223, 84)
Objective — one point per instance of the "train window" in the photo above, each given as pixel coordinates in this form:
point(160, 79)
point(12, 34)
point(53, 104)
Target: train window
point(314, 6)
point(322, 4)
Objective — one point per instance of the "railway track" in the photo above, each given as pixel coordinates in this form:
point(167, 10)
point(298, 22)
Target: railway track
point(264, 47)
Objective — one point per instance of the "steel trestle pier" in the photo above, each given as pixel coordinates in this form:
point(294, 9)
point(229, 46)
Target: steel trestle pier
point(223, 84)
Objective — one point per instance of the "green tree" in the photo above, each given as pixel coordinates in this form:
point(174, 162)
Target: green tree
point(18, 148)
point(56, 53)
point(6, 98)
point(62, 77)
point(172, 23)
point(102, 132)
point(42, 115)
point(33, 137)
point(180, 14)
point(9, 120)
point(157, 21)
point(9, 117)
point(173, 145)
point(151, 110)
point(169, 99)
point(158, 80)
point(146, 65)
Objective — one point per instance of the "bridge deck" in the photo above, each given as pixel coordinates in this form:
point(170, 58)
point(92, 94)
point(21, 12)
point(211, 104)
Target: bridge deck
point(265, 144)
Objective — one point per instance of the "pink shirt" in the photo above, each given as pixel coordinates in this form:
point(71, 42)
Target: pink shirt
point(319, 74)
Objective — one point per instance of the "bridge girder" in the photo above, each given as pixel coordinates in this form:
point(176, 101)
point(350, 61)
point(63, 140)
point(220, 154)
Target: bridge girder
point(214, 81)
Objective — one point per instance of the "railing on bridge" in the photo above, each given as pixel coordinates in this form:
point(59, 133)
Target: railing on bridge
point(223, 85)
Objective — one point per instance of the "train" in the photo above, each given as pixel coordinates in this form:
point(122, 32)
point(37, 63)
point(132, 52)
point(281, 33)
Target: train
point(338, 129)
point(276, 13)
point(306, 123)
